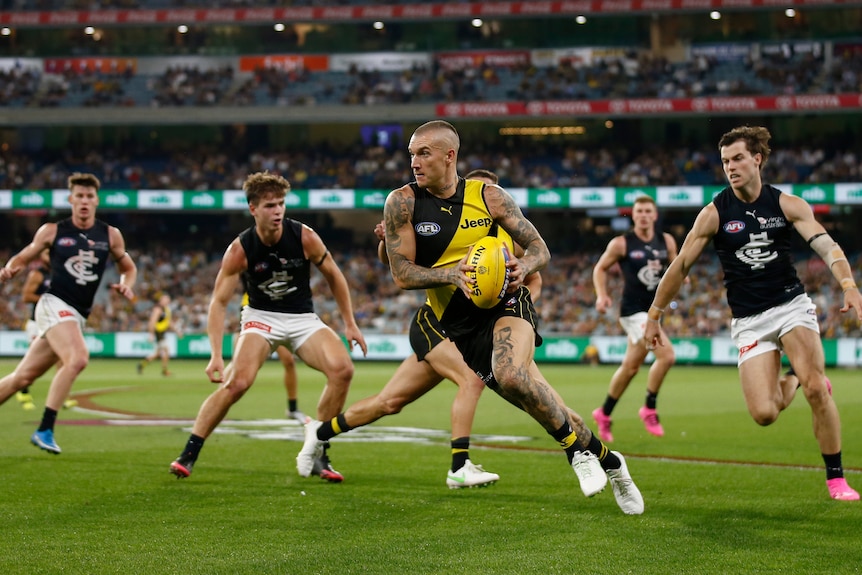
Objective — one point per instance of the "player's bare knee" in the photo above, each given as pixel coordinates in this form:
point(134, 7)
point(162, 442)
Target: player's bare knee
point(510, 377)
point(392, 405)
point(340, 372)
point(764, 416)
point(629, 369)
point(237, 386)
point(78, 363)
point(816, 393)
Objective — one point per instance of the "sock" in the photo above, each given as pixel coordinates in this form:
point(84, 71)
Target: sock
point(834, 469)
point(609, 405)
point(460, 452)
point(567, 439)
point(48, 419)
point(607, 459)
point(193, 447)
point(651, 398)
point(333, 427)
point(291, 405)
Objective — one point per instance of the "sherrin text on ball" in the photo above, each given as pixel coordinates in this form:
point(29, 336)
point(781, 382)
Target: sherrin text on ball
point(490, 278)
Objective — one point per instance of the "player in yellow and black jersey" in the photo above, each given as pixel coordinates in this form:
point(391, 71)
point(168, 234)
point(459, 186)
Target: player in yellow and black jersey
point(431, 224)
point(161, 322)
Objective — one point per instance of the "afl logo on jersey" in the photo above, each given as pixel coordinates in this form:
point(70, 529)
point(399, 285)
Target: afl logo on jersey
point(67, 242)
point(734, 226)
point(260, 266)
point(637, 254)
point(427, 228)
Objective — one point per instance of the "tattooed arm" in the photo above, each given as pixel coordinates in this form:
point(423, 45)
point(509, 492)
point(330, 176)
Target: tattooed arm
point(506, 212)
point(401, 247)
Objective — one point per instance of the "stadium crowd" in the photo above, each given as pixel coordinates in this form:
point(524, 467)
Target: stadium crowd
point(567, 305)
point(635, 74)
point(540, 165)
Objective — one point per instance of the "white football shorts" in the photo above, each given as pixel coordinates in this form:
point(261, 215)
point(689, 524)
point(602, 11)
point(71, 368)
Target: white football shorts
point(288, 329)
point(634, 326)
point(761, 333)
point(51, 310)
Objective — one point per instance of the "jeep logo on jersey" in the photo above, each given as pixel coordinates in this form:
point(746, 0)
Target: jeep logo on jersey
point(428, 228)
point(734, 226)
point(480, 223)
point(80, 267)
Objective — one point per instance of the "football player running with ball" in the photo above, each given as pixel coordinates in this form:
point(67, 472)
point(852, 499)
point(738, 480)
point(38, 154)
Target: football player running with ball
point(435, 357)
point(497, 343)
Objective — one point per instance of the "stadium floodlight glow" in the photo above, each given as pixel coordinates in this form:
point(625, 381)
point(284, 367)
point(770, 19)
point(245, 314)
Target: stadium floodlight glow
point(89, 30)
point(715, 15)
point(182, 28)
point(581, 19)
point(790, 13)
point(476, 22)
point(5, 31)
point(378, 25)
point(279, 27)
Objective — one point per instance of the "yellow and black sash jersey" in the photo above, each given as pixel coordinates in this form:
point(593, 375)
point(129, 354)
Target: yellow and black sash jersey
point(445, 229)
point(164, 321)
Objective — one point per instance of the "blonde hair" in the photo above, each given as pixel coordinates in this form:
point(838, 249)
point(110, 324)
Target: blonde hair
point(82, 179)
point(260, 184)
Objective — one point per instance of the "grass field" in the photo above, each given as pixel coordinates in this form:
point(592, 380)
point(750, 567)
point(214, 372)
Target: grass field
point(722, 494)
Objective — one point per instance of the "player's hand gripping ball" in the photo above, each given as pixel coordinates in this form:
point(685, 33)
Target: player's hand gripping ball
point(490, 278)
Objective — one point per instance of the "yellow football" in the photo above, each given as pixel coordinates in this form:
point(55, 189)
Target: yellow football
point(490, 278)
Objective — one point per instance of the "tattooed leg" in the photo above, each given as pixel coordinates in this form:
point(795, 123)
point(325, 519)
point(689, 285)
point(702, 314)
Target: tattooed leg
point(511, 363)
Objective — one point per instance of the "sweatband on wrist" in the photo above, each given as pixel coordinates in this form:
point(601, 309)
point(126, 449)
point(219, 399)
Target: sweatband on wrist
point(848, 283)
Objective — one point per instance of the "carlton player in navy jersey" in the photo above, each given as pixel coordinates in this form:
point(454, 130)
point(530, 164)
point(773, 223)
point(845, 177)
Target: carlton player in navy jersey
point(750, 225)
point(643, 255)
point(80, 247)
point(273, 260)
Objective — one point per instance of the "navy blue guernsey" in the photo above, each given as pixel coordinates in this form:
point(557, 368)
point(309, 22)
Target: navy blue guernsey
point(278, 277)
point(642, 266)
point(78, 260)
point(42, 288)
point(753, 245)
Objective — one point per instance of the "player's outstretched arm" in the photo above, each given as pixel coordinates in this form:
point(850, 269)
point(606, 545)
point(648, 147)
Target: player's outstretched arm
point(614, 252)
point(315, 250)
point(704, 229)
point(799, 212)
point(125, 265)
point(233, 264)
point(42, 239)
